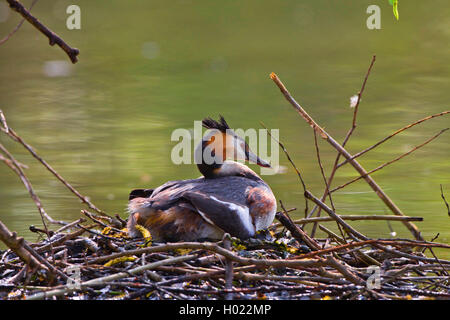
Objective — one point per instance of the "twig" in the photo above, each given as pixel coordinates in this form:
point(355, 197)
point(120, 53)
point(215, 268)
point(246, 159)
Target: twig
point(16, 244)
point(228, 268)
point(2, 158)
point(214, 248)
point(61, 240)
point(356, 155)
point(3, 121)
point(371, 242)
point(292, 163)
point(13, 135)
point(346, 139)
point(391, 161)
point(445, 201)
point(107, 279)
point(381, 194)
point(336, 217)
point(70, 225)
point(52, 37)
point(355, 111)
point(15, 166)
point(6, 38)
point(296, 232)
point(353, 218)
point(322, 171)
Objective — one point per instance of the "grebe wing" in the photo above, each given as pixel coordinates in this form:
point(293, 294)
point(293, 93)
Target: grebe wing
point(167, 195)
point(140, 193)
point(229, 216)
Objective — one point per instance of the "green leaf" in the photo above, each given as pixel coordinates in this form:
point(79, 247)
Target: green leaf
point(395, 8)
point(394, 4)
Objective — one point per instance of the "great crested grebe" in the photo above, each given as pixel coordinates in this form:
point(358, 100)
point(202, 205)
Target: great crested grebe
point(228, 198)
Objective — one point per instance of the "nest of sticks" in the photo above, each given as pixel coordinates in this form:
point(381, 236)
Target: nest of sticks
point(93, 257)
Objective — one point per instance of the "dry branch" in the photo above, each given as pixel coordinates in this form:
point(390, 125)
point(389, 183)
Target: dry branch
point(445, 201)
point(13, 135)
point(6, 38)
point(352, 218)
point(105, 280)
point(296, 232)
point(381, 194)
point(15, 166)
point(52, 37)
point(16, 244)
point(346, 139)
point(391, 161)
point(356, 155)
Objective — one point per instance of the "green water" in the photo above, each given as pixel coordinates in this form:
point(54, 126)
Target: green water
point(149, 67)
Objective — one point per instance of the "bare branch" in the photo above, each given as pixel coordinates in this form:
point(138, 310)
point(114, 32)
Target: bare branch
point(381, 194)
point(13, 135)
point(391, 136)
point(6, 38)
point(52, 37)
point(391, 161)
point(445, 201)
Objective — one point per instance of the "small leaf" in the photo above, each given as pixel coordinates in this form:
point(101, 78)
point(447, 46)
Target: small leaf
point(394, 4)
point(395, 8)
point(119, 260)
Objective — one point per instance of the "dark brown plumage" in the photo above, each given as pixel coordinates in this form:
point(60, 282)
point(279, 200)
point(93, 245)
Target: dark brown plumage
point(221, 125)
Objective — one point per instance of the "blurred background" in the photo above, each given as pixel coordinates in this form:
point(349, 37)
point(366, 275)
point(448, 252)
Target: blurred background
point(147, 68)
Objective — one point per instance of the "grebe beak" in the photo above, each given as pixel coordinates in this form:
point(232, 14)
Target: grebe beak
point(251, 157)
point(263, 163)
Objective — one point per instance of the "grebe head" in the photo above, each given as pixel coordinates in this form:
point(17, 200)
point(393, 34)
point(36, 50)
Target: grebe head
point(219, 144)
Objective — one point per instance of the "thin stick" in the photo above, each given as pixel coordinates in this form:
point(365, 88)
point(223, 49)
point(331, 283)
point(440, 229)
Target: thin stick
point(53, 38)
point(371, 242)
point(335, 216)
point(228, 268)
point(392, 135)
point(346, 139)
point(2, 41)
point(16, 244)
point(381, 194)
point(213, 247)
point(313, 231)
point(322, 171)
point(3, 121)
point(296, 232)
point(355, 111)
point(293, 165)
point(353, 218)
point(23, 166)
point(390, 162)
point(14, 166)
point(13, 135)
point(445, 201)
point(107, 279)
